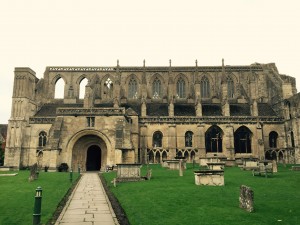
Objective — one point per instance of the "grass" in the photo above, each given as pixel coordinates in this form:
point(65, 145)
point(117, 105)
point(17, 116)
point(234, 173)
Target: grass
point(170, 199)
point(17, 196)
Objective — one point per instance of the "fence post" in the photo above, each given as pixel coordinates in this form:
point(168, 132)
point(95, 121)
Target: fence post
point(37, 206)
point(71, 175)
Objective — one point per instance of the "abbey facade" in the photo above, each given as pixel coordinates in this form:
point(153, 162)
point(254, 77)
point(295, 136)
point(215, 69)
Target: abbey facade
point(149, 114)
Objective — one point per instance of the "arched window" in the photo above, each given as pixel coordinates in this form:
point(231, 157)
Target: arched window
point(59, 88)
point(230, 87)
point(213, 139)
point(156, 88)
point(292, 139)
point(242, 140)
point(82, 85)
point(157, 139)
point(108, 89)
point(273, 139)
point(42, 139)
point(189, 139)
point(132, 89)
point(180, 88)
point(205, 92)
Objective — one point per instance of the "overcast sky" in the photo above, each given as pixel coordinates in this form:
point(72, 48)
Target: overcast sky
point(37, 33)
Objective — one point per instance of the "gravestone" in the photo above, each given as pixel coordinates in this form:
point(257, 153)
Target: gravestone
point(246, 198)
point(33, 172)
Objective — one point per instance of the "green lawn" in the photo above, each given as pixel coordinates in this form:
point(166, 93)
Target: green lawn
point(170, 199)
point(17, 196)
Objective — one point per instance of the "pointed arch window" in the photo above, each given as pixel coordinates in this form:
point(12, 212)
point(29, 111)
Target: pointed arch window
point(230, 87)
point(42, 139)
point(82, 86)
point(189, 139)
point(59, 88)
point(132, 89)
point(205, 89)
point(242, 140)
point(157, 139)
point(180, 88)
point(273, 139)
point(108, 88)
point(156, 88)
point(214, 139)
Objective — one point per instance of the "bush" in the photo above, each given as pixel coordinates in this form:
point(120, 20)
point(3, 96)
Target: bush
point(63, 167)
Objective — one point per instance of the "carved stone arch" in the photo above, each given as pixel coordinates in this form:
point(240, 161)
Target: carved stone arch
point(184, 89)
point(208, 76)
point(106, 93)
point(54, 88)
point(132, 76)
point(81, 77)
point(232, 76)
point(163, 84)
point(135, 92)
point(57, 77)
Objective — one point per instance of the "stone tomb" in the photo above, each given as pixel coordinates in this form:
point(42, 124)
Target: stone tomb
point(211, 159)
point(173, 164)
point(215, 165)
point(129, 172)
point(209, 177)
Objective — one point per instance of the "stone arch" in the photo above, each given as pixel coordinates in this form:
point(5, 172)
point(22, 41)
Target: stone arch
point(243, 140)
point(81, 87)
point(107, 92)
point(79, 143)
point(164, 155)
point(273, 139)
point(186, 84)
point(58, 86)
point(157, 139)
point(214, 139)
point(157, 157)
point(186, 155)
point(150, 156)
point(127, 82)
point(163, 84)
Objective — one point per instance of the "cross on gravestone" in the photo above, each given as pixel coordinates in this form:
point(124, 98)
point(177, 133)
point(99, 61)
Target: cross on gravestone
point(246, 198)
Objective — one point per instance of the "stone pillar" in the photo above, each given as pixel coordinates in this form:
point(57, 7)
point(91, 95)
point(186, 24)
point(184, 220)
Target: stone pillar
point(200, 140)
point(143, 108)
point(143, 143)
point(254, 108)
point(229, 141)
point(171, 108)
point(198, 108)
point(258, 147)
point(172, 141)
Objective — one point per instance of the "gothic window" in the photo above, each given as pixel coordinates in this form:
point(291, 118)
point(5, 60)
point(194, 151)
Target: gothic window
point(108, 88)
point(230, 87)
point(242, 140)
point(205, 87)
point(180, 88)
point(132, 89)
point(59, 88)
point(90, 121)
point(157, 139)
point(156, 88)
point(42, 139)
point(273, 139)
point(213, 139)
point(292, 139)
point(82, 85)
point(189, 139)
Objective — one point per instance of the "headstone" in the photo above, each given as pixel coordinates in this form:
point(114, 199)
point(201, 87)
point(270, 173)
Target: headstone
point(33, 172)
point(274, 164)
point(246, 198)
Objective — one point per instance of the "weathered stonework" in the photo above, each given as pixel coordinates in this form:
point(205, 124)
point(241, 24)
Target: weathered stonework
point(151, 114)
point(246, 198)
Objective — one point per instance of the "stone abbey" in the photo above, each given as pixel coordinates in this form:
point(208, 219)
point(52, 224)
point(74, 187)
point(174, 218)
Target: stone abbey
point(150, 114)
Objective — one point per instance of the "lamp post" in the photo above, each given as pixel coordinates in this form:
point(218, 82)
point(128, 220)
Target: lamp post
point(37, 207)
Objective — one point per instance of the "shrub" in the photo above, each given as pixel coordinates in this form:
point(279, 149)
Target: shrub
point(63, 167)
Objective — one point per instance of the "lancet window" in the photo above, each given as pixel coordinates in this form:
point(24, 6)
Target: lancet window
point(213, 139)
point(189, 139)
point(273, 139)
point(180, 88)
point(205, 89)
point(242, 140)
point(132, 89)
point(156, 88)
point(42, 139)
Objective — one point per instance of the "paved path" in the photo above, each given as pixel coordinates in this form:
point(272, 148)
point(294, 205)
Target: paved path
point(88, 204)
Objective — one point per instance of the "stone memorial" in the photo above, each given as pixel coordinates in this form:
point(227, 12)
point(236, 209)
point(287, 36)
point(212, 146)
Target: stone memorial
point(129, 172)
point(209, 177)
point(246, 198)
point(33, 172)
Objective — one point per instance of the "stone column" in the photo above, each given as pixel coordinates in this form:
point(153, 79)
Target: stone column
point(229, 141)
point(172, 141)
point(200, 140)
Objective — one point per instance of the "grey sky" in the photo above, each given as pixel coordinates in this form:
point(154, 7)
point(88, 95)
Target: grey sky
point(36, 34)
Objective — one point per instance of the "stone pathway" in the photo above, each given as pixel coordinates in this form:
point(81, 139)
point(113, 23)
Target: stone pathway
point(88, 204)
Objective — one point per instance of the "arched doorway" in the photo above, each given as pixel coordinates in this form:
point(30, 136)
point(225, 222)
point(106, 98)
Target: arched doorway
point(93, 158)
